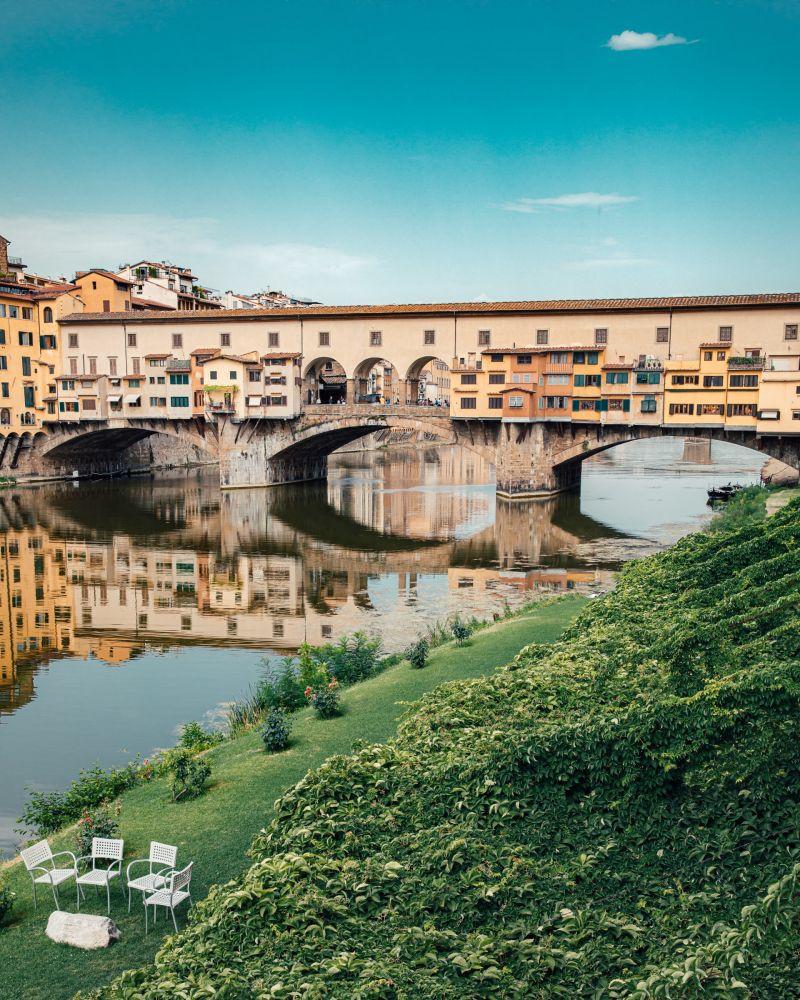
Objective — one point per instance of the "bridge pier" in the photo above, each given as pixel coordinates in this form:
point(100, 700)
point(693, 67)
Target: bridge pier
point(528, 463)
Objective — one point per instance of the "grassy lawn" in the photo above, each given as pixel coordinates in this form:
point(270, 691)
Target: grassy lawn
point(215, 831)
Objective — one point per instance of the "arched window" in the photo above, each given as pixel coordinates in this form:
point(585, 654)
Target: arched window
point(48, 314)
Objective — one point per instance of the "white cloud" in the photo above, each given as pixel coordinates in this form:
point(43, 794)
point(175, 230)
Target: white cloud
point(64, 243)
point(629, 41)
point(584, 199)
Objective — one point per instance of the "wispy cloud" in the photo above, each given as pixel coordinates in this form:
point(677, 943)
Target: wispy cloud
point(61, 244)
point(629, 41)
point(584, 199)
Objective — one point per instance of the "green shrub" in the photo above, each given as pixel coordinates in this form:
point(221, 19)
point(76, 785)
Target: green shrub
point(7, 899)
point(276, 730)
point(46, 812)
point(324, 699)
point(96, 823)
point(352, 659)
point(195, 738)
point(461, 631)
point(188, 774)
point(417, 654)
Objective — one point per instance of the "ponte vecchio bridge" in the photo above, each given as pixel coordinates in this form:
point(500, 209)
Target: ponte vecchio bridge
point(536, 387)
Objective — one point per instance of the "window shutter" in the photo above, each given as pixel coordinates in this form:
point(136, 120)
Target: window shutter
point(626, 405)
point(575, 404)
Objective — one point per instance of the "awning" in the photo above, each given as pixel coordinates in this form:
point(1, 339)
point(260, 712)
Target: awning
point(114, 399)
point(132, 399)
point(254, 401)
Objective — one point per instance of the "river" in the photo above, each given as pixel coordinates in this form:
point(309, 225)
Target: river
point(130, 607)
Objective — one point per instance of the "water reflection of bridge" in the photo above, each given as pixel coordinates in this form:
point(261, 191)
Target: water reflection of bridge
point(106, 569)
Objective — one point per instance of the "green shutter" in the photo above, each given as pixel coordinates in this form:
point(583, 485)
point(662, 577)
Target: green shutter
point(626, 405)
point(580, 381)
point(575, 404)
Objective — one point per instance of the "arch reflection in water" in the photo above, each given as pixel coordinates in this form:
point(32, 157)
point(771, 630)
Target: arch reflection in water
point(107, 570)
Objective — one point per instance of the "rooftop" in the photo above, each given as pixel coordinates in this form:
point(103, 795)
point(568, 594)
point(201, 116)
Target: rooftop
point(665, 304)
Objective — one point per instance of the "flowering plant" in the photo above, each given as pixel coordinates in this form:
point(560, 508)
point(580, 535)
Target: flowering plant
point(324, 699)
point(96, 823)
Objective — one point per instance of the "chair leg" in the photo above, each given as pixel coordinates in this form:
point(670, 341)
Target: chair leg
point(146, 908)
point(54, 887)
point(129, 900)
point(174, 921)
point(34, 897)
point(108, 897)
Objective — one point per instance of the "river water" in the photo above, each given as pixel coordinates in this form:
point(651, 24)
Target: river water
point(129, 607)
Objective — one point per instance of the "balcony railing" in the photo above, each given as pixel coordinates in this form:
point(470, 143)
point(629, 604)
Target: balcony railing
point(755, 364)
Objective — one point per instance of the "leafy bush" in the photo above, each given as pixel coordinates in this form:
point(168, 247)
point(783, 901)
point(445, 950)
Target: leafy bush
point(96, 823)
point(615, 815)
point(7, 899)
point(325, 699)
point(196, 738)
point(352, 659)
point(417, 654)
point(461, 631)
point(276, 730)
point(188, 775)
point(46, 812)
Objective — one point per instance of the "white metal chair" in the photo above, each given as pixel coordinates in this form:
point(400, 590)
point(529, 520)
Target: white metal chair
point(177, 889)
point(160, 862)
point(40, 858)
point(103, 849)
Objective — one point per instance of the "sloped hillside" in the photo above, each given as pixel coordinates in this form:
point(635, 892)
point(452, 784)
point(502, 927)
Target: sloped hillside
point(613, 816)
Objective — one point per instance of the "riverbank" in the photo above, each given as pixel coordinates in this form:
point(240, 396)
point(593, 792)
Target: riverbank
point(216, 830)
point(615, 814)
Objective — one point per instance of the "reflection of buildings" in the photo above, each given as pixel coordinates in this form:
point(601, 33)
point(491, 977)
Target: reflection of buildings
point(110, 570)
point(36, 618)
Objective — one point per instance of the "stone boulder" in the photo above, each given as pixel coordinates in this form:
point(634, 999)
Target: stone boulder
point(778, 473)
point(82, 930)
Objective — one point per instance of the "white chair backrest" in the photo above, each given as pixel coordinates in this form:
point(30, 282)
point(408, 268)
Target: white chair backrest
point(181, 879)
point(108, 849)
point(163, 854)
point(36, 855)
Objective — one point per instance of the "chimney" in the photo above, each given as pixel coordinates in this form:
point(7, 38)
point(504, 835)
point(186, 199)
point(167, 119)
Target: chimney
point(4, 255)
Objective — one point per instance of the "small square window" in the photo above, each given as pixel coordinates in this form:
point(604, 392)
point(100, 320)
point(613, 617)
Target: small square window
point(790, 331)
point(131, 340)
point(430, 337)
point(541, 337)
point(177, 340)
point(225, 340)
point(375, 338)
point(324, 338)
point(273, 339)
point(601, 336)
point(726, 334)
point(662, 335)
point(484, 338)
point(73, 340)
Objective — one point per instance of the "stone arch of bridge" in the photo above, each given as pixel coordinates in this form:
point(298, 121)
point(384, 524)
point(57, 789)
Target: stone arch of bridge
point(324, 380)
point(81, 439)
point(377, 376)
point(414, 373)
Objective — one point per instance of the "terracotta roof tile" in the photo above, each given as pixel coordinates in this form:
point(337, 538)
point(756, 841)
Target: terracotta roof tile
point(718, 345)
point(105, 274)
point(660, 304)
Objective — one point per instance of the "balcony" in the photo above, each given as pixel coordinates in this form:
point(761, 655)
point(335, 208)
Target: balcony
point(474, 366)
point(752, 364)
point(564, 369)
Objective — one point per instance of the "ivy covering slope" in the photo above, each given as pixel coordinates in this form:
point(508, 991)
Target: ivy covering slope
point(613, 816)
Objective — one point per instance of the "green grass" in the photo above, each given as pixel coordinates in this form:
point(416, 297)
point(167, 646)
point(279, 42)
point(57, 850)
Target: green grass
point(216, 830)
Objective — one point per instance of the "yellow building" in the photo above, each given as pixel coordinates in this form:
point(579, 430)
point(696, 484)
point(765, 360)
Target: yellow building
point(30, 350)
point(103, 292)
point(716, 389)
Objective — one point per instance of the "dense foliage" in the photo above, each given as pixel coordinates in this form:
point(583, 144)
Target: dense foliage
point(616, 815)
point(196, 738)
point(417, 654)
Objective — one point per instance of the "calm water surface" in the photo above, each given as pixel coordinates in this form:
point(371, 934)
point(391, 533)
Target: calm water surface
point(129, 607)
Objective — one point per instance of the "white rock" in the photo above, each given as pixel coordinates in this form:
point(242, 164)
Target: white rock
point(82, 930)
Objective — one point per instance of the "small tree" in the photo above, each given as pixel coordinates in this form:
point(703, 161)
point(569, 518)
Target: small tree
point(461, 632)
point(189, 775)
point(417, 654)
point(276, 730)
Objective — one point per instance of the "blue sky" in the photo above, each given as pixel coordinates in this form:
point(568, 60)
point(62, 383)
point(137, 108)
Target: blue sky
point(409, 151)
